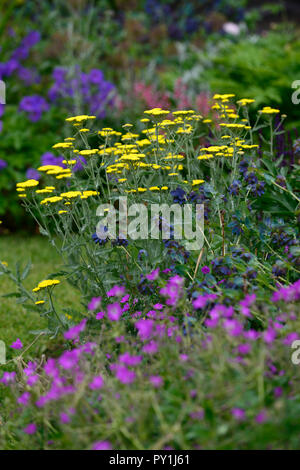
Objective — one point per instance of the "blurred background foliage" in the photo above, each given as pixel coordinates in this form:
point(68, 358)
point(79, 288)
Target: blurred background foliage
point(116, 58)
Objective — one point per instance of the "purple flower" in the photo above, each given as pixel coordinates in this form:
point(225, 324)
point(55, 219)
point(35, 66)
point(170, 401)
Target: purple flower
point(244, 348)
point(144, 328)
point(238, 414)
point(277, 392)
point(116, 291)
point(48, 158)
point(69, 359)
point(27, 75)
point(32, 380)
point(158, 306)
point(30, 429)
point(288, 294)
point(102, 445)
point(290, 338)
point(153, 275)
point(24, 399)
point(261, 417)
point(32, 174)
point(3, 164)
point(31, 39)
point(8, 377)
point(74, 332)
point(150, 348)
point(130, 360)
point(246, 303)
point(205, 270)
point(17, 344)
point(100, 315)
point(96, 383)
point(251, 334)
point(124, 375)
point(114, 311)
point(94, 303)
point(64, 418)
point(202, 300)
point(34, 105)
point(156, 380)
point(269, 335)
point(233, 327)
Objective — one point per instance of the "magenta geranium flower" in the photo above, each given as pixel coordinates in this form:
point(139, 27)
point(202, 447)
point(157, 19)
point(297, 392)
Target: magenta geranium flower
point(114, 312)
point(17, 344)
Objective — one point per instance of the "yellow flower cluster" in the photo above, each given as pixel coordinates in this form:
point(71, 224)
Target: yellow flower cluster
point(46, 283)
point(269, 110)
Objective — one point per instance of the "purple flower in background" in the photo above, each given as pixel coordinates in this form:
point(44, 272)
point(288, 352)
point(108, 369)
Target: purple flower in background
point(100, 315)
point(69, 359)
point(150, 348)
point(30, 429)
point(130, 360)
point(24, 399)
point(17, 344)
point(65, 418)
point(288, 340)
point(205, 270)
point(8, 377)
point(31, 39)
point(114, 311)
point(124, 375)
point(145, 328)
point(116, 291)
point(75, 331)
point(8, 68)
point(34, 105)
point(3, 164)
point(32, 174)
point(233, 327)
point(269, 335)
point(94, 93)
point(102, 445)
point(28, 75)
point(238, 414)
point(156, 381)
point(261, 417)
point(96, 383)
point(94, 303)
point(153, 275)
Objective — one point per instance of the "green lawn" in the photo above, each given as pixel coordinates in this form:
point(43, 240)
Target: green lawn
point(15, 321)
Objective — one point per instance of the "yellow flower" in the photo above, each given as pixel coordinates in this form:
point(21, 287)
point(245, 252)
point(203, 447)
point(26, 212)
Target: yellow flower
point(44, 191)
point(52, 199)
point(4, 262)
point(245, 101)
point(39, 302)
point(71, 194)
point(46, 283)
point(28, 184)
point(268, 110)
point(80, 118)
point(62, 145)
point(62, 212)
point(88, 152)
point(195, 182)
point(69, 162)
point(157, 112)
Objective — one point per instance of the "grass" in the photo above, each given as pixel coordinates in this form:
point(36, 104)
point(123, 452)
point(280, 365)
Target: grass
point(15, 322)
